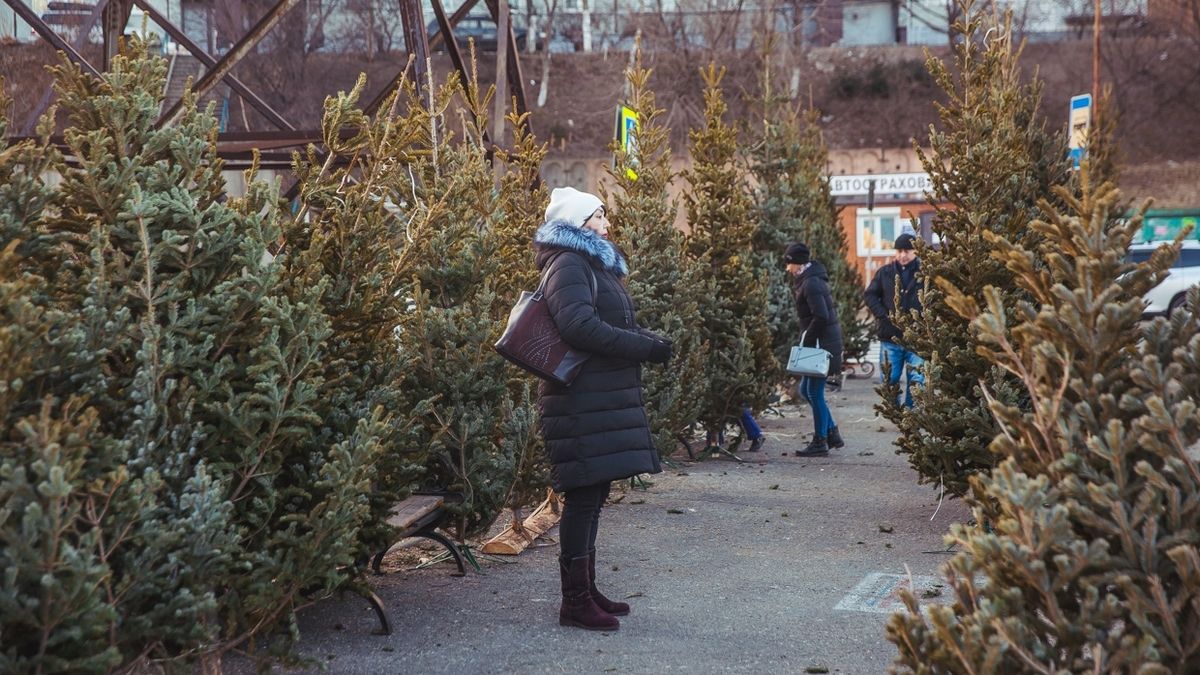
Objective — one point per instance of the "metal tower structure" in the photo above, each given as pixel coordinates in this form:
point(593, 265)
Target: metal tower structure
point(277, 144)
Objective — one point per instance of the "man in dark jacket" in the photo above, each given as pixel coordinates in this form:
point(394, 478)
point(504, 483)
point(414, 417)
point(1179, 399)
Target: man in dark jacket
point(898, 279)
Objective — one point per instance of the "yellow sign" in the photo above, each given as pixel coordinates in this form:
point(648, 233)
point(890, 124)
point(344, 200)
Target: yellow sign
point(627, 126)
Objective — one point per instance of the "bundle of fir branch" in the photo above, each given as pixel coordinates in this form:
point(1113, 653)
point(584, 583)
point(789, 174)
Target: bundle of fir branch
point(1093, 560)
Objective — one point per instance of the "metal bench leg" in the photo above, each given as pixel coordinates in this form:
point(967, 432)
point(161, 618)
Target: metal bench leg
point(377, 561)
point(384, 627)
point(462, 570)
point(359, 588)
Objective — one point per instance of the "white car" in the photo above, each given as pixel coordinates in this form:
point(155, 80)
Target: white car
point(1170, 295)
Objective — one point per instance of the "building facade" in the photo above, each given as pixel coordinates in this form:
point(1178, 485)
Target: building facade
point(65, 18)
point(592, 25)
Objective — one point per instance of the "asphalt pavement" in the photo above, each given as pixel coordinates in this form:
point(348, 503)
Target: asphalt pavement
point(779, 564)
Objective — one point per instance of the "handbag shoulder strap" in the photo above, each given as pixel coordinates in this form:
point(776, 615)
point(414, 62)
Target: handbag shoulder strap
point(546, 275)
point(802, 339)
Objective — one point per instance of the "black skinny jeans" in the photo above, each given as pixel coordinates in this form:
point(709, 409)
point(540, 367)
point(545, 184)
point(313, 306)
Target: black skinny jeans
point(581, 519)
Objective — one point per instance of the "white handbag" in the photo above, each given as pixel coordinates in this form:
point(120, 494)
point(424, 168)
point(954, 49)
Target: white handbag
point(808, 361)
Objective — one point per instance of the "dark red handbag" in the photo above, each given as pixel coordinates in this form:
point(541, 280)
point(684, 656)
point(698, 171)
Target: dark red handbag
point(531, 339)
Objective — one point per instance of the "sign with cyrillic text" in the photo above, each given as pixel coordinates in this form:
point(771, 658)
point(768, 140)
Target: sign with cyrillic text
point(885, 184)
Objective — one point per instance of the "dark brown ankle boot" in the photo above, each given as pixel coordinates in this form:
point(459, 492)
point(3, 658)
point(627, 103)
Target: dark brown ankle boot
point(578, 608)
point(614, 608)
point(817, 448)
point(835, 439)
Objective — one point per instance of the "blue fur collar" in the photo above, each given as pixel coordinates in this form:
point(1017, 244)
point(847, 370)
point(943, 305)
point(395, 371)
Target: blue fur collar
point(561, 234)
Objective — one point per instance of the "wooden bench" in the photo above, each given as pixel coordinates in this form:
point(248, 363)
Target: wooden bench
point(417, 516)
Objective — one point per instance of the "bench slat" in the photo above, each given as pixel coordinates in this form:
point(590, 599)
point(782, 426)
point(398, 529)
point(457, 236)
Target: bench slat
point(412, 509)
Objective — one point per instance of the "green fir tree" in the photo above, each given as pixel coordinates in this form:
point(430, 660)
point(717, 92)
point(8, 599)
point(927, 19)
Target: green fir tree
point(53, 618)
point(522, 198)
point(741, 368)
point(349, 238)
point(202, 509)
point(457, 390)
point(1093, 560)
point(991, 162)
point(789, 161)
point(1101, 146)
point(664, 283)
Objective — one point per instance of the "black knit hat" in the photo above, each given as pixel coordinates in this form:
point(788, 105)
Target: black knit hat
point(796, 253)
point(905, 242)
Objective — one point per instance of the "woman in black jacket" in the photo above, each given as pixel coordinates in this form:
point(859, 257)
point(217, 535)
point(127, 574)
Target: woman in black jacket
point(819, 327)
point(595, 429)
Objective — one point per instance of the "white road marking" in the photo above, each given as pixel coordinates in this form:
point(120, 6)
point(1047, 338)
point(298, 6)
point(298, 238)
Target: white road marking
point(879, 593)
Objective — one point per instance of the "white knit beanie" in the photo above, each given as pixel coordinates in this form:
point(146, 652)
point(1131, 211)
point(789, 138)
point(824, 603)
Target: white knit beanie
point(572, 206)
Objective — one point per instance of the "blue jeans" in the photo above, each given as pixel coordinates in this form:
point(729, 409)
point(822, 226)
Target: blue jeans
point(897, 359)
point(753, 432)
point(813, 391)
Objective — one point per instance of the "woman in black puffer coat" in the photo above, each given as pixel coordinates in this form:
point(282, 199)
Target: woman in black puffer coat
point(819, 327)
point(595, 429)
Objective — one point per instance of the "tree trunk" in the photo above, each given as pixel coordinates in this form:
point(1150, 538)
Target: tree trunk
point(544, 85)
point(531, 29)
point(586, 17)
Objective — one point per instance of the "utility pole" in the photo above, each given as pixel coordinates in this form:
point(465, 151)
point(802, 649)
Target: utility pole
point(1096, 66)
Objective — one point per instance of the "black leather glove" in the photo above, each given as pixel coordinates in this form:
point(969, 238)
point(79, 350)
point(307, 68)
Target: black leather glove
point(661, 351)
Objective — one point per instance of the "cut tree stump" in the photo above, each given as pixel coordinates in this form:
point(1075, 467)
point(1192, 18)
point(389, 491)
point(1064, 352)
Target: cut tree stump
point(520, 534)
